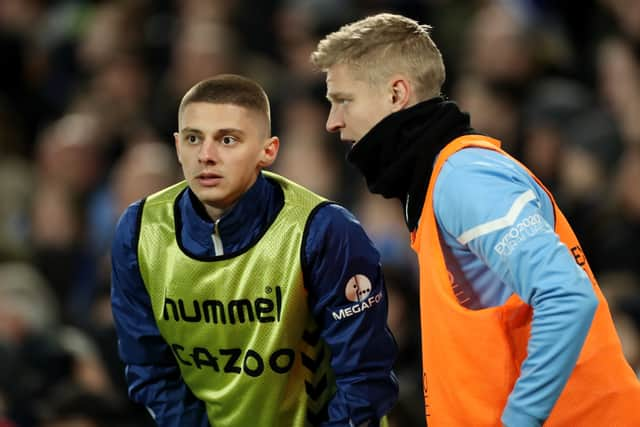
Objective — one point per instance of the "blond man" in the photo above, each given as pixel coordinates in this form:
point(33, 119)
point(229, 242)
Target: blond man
point(515, 330)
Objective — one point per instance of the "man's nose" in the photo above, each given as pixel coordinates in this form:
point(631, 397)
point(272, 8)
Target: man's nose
point(208, 151)
point(335, 121)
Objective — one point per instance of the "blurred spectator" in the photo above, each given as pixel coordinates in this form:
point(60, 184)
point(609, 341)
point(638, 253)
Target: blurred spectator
point(493, 109)
point(40, 355)
point(627, 322)
point(70, 164)
point(384, 223)
point(307, 159)
point(618, 72)
point(70, 153)
point(590, 158)
point(200, 49)
point(124, 82)
point(404, 323)
point(145, 166)
point(74, 407)
point(27, 304)
point(627, 15)
point(551, 104)
point(27, 315)
point(622, 289)
point(500, 47)
point(16, 192)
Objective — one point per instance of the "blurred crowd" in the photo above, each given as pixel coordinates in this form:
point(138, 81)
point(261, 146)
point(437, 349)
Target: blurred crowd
point(88, 104)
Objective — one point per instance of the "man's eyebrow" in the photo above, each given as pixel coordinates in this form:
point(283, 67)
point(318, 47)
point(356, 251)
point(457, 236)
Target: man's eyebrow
point(225, 131)
point(218, 132)
point(336, 95)
point(190, 130)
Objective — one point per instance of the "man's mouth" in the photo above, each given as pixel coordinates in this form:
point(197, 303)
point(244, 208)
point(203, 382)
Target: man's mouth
point(209, 179)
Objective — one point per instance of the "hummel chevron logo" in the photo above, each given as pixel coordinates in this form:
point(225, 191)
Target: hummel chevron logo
point(311, 337)
point(315, 392)
point(312, 364)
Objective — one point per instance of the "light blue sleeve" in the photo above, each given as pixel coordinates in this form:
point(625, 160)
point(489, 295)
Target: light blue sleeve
point(495, 210)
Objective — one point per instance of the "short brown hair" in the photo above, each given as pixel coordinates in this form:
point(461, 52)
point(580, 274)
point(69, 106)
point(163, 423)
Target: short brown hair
point(229, 89)
point(380, 45)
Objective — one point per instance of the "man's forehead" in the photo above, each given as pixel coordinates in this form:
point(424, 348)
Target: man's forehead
point(342, 82)
point(346, 77)
point(209, 117)
point(339, 71)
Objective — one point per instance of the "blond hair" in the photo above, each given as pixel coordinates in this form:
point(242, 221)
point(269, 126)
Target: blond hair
point(379, 46)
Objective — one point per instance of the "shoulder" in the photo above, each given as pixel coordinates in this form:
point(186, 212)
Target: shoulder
point(474, 174)
point(334, 221)
point(477, 185)
point(478, 162)
point(128, 224)
point(334, 226)
point(334, 215)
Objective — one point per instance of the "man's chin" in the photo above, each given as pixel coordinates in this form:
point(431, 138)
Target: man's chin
point(206, 195)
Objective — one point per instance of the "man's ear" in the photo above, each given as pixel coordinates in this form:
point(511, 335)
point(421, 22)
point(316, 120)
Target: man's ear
point(269, 152)
point(176, 140)
point(400, 93)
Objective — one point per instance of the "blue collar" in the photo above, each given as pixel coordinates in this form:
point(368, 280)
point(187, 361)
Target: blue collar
point(237, 228)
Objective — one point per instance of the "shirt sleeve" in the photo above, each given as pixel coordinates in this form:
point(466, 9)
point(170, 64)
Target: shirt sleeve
point(151, 372)
point(348, 298)
point(498, 212)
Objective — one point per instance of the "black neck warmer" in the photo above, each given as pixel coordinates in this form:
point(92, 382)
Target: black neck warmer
point(396, 156)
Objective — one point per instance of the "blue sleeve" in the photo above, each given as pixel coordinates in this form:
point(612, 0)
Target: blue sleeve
point(348, 297)
point(494, 208)
point(152, 375)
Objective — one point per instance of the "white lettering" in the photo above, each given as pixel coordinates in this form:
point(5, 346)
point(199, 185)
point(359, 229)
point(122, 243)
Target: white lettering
point(338, 316)
point(357, 308)
point(526, 228)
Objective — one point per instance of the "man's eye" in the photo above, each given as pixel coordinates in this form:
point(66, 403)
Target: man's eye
point(228, 140)
point(192, 139)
